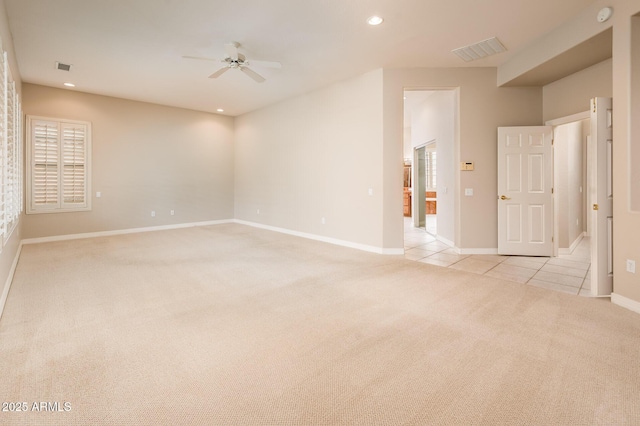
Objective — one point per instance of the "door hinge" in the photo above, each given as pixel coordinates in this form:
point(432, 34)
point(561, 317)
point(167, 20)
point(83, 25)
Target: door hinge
point(551, 239)
point(552, 190)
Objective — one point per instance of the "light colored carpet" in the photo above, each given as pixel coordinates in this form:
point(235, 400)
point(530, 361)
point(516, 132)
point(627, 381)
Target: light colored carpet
point(231, 325)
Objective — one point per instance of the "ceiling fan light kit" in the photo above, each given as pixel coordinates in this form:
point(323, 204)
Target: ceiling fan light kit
point(236, 60)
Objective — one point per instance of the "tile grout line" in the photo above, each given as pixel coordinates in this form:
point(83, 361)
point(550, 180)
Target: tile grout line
point(527, 282)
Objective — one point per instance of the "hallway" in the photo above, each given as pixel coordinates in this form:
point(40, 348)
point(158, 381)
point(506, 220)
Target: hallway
point(565, 273)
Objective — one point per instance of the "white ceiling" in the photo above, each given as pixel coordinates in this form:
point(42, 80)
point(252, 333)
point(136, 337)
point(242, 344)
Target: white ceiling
point(133, 48)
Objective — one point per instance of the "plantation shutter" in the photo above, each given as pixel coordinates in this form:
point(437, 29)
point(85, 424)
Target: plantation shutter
point(20, 158)
point(45, 139)
point(59, 152)
point(74, 154)
point(3, 139)
point(10, 159)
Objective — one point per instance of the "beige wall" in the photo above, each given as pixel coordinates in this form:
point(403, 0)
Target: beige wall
point(316, 156)
point(483, 107)
point(145, 157)
point(634, 146)
point(626, 224)
point(572, 94)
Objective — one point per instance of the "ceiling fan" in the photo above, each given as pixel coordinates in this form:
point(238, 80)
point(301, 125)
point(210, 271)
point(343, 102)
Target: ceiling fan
point(237, 60)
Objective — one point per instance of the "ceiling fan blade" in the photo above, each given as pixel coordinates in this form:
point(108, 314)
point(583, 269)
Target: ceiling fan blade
point(251, 73)
point(219, 72)
point(232, 50)
point(200, 58)
point(265, 64)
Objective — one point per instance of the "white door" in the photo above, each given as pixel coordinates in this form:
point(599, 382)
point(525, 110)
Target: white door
point(525, 185)
point(601, 194)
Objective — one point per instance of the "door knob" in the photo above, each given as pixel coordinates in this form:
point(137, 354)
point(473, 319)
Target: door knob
point(504, 197)
point(595, 207)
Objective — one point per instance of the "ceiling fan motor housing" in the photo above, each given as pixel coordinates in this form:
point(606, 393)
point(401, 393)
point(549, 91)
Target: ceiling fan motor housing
point(235, 63)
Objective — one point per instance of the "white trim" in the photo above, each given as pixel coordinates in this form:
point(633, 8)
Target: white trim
point(445, 241)
point(123, 231)
point(625, 302)
point(569, 119)
point(7, 283)
point(364, 247)
point(573, 245)
point(343, 243)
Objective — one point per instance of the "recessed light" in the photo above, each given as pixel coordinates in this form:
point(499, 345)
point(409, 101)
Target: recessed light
point(374, 20)
point(69, 84)
point(220, 110)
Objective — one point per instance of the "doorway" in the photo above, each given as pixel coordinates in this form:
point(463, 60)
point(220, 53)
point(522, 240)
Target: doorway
point(430, 120)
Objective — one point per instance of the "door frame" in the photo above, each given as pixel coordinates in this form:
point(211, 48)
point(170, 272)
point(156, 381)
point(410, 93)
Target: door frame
point(556, 214)
point(589, 179)
point(453, 237)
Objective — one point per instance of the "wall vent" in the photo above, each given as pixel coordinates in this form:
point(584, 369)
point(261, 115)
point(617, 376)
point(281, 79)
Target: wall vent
point(63, 67)
point(480, 50)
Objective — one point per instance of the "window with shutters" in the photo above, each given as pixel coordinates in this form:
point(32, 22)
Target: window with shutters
point(11, 163)
point(3, 140)
point(430, 164)
point(59, 153)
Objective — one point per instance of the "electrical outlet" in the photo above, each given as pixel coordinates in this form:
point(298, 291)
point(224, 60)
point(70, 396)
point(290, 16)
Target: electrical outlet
point(172, 212)
point(631, 266)
point(323, 221)
point(258, 211)
point(98, 194)
point(153, 213)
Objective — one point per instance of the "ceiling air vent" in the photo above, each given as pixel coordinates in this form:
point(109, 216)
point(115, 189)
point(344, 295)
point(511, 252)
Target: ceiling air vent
point(63, 67)
point(480, 50)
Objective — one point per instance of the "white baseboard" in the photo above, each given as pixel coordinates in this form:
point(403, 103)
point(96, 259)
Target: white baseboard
point(625, 302)
point(122, 231)
point(343, 243)
point(364, 247)
point(7, 283)
point(573, 246)
point(445, 241)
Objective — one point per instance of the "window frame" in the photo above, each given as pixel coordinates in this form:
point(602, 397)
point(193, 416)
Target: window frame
point(60, 206)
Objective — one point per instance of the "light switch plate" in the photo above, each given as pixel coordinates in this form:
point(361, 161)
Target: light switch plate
point(468, 192)
point(631, 266)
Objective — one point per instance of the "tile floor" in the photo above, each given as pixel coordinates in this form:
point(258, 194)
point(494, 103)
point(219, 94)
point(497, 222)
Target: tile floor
point(566, 273)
